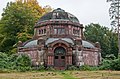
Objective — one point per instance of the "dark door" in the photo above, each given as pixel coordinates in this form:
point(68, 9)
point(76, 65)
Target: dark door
point(59, 57)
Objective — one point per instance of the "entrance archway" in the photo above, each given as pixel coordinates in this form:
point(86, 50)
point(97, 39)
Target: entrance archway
point(59, 57)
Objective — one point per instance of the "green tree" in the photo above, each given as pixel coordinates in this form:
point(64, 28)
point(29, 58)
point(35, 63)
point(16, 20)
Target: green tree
point(17, 22)
point(106, 38)
point(114, 12)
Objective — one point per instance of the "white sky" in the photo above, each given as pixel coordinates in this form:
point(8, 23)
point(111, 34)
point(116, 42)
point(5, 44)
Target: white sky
point(87, 11)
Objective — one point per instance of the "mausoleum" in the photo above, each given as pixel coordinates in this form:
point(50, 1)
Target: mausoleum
point(58, 42)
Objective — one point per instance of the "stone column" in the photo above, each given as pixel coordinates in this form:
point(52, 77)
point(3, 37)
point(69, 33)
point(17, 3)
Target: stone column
point(79, 57)
point(50, 57)
point(69, 57)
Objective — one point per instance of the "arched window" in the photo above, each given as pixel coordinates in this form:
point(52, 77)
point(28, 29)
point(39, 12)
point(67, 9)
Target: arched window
point(59, 51)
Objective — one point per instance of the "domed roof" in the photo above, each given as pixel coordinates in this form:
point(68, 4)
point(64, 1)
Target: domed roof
point(59, 14)
point(31, 43)
point(50, 40)
point(87, 44)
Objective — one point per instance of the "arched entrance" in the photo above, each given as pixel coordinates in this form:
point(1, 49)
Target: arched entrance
point(59, 58)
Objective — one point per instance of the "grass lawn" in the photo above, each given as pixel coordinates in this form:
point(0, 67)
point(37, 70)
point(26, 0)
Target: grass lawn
point(62, 75)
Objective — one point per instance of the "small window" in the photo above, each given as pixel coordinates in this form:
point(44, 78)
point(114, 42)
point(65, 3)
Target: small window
point(63, 31)
point(39, 31)
point(62, 57)
point(44, 30)
point(56, 57)
point(59, 31)
point(55, 31)
point(54, 15)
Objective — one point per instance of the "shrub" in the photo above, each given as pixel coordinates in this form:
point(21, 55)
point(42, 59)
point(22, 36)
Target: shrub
point(115, 65)
point(50, 69)
point(84, 68)
point(72, 68)
point(23, 69)
point(88, 68)
point(110, 64)
point(41, 68)
point(106, 64)
point(14, 62)
point(23, 63)
point(110, 57)
point(3, 60)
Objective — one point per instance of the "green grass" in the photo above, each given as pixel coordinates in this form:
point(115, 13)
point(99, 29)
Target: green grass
point(62, 75)
point(66, 75)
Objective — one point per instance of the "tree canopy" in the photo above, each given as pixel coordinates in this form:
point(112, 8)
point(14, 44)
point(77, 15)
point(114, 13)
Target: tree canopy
point(18, 21)
point(106, 37)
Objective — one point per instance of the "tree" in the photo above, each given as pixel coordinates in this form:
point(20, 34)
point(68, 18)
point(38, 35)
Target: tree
point(107, 38)
point(18, 21)
point(114, 12)
point(33, 4)
point(47, 8)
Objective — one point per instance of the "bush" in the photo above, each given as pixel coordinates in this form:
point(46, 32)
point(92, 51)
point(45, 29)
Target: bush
point(4, 71)
point(88, 68)
point(41, 68)
point(110, 57)
point(72, 68)
point(110, 64)
point(23, 63)
point(14, 62)
point(3, 60)
point(84, 68)
point(106, 64)
point(23, 69)
point(50, 69)
point(115, 65)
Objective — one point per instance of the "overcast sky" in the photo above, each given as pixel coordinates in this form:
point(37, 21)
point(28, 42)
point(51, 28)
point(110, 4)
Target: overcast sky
point(87, 11)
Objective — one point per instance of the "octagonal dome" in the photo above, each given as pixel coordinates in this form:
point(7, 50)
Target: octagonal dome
point(59, 15)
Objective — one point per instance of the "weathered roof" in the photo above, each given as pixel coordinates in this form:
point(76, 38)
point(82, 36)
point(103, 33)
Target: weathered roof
point(50, 40)
point(87, 44)
point(58, 14)
point(31, 43)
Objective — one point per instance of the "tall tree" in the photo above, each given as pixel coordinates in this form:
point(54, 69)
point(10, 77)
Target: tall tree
point(106, 38)
point(114, 12)
point(17, 22)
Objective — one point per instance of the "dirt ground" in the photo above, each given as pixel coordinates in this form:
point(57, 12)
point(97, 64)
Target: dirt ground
point(62, 75)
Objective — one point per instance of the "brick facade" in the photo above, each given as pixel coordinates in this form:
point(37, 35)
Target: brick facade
point(58, 43)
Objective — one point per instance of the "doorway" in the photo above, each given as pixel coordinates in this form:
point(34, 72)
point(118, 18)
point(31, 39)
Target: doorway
point(59, 58)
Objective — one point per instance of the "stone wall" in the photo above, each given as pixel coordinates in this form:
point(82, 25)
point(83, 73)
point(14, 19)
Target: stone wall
point(91, 57)
point(35, 55)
